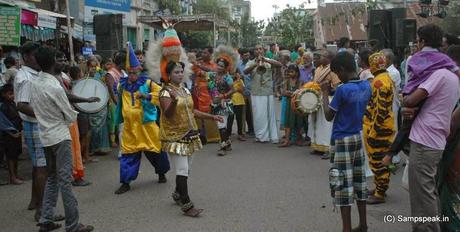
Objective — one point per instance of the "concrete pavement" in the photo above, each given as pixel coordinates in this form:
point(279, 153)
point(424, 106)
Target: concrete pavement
point(258, 187)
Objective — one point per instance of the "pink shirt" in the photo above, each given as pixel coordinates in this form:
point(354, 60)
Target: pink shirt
point(432, 124)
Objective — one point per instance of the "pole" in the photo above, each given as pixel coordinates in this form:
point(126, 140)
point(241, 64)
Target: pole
point(214, 33)
point(69, 33)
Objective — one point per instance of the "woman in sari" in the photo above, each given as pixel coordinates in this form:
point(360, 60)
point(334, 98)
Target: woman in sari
point(98, 121)
point(449, 177)
point(112, 78)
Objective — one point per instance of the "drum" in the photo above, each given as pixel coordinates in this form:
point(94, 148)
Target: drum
point(91, 88)
point(306, 101)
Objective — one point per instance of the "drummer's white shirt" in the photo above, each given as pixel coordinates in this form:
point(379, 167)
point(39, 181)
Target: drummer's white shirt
point(52, 109)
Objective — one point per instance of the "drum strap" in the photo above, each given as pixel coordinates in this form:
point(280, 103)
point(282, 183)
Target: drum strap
point(323, 75)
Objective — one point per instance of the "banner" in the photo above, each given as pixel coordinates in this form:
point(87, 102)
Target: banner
point(29, 17)
point(117, 5)
point(46, 21)
point(10, 26)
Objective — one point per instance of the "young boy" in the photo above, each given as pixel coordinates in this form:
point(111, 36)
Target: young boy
point(84, 127)
point(347, 173)
point(12, 139)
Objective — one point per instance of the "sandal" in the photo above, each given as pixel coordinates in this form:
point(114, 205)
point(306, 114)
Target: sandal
point(49, 226)
point(58, 218)
point(286, 143)
point(193, 212)
point(82, 228)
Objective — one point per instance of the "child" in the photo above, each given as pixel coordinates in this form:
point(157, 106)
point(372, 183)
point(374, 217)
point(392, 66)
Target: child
point(83, 120)
point(238, 107)
point(12, 69)
point(420, 68)
point(12, 139)
point(293, 120)
point(347, 172)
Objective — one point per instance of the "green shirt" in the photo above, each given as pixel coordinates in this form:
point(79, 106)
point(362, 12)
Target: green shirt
point(294, 56)
point(261, 82)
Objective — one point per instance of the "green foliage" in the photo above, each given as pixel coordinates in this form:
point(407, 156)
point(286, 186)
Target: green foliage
point(250, 31)
point(212, 7)
point(450, 23)
point(294, 25)
point(199, 39)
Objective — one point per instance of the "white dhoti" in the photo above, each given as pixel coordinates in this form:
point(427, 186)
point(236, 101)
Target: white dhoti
point(320, 131)
point(264, 116)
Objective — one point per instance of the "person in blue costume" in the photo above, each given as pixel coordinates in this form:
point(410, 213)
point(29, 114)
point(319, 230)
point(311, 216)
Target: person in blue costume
point(137, 100)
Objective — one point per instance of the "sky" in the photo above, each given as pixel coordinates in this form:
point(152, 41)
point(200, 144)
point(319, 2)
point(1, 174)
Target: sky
point(263, 9)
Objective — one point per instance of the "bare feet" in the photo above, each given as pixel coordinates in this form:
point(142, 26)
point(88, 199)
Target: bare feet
point(286, 143)
point(16, 181)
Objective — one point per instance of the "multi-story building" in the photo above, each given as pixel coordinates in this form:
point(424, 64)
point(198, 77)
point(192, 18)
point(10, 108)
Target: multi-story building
point(240, 8)
point(135, 32)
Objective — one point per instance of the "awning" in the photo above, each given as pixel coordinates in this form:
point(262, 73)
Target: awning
point(49, 13)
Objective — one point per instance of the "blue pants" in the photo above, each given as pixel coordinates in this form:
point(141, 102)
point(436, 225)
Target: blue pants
point(130, 164)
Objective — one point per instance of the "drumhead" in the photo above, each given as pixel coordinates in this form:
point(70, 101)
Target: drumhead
point(91, 88)
point(308, 101)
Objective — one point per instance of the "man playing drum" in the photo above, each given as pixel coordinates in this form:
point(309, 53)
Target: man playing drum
point(319, 128)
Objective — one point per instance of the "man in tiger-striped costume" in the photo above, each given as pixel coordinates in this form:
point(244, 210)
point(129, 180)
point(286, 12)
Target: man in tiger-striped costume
point(378, 128)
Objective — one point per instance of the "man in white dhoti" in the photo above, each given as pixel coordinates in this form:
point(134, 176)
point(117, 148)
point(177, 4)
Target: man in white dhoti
point(396, 78)
point(319, 129)
point(263, 101)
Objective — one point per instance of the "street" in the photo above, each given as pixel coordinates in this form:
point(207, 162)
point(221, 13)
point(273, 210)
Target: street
point(258, 187)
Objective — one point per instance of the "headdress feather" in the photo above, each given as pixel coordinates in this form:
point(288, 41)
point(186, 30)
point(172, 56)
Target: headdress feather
point(227, 53)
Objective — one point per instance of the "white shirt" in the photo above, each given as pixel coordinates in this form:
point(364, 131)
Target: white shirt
point(365, 75)
point(396, 78)
point(52, 109)
point(21, 85)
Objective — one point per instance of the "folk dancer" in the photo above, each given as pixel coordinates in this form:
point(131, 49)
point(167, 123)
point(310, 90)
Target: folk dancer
point(220, 86)
point(137, 97)
point(378, 126)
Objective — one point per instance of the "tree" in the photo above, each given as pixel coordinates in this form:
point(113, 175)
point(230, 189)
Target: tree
point(294, 25)
point(250, 31)
point(197, 39)
point(450, 23)
point(215, 7)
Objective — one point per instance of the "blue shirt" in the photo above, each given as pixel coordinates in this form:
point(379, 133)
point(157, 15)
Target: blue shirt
point(349, 103)
point(246, 77)
point(306, 75)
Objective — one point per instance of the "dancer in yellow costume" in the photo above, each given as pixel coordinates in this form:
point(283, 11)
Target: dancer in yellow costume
point(378, 128)
point(138, 98)
point(167, 60)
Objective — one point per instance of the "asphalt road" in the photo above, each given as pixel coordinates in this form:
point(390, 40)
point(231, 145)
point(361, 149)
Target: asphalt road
point(258, 187)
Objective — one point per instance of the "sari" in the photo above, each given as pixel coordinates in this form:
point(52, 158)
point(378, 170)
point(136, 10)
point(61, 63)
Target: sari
point(449, 184)
point(100, 142)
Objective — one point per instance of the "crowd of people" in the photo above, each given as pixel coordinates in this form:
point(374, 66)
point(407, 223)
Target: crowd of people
point(167, 104)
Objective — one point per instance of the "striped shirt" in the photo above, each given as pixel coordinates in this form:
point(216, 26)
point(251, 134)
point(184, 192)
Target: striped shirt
point(22, 84)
